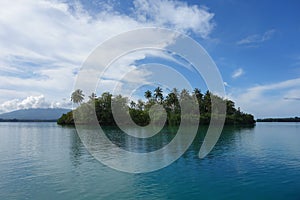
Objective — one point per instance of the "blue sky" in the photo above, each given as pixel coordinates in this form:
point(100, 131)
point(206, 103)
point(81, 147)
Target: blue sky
point(255, 45)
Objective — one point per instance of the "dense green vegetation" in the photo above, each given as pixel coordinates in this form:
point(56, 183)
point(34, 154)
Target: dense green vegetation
point(289, 119)
point(139, 111)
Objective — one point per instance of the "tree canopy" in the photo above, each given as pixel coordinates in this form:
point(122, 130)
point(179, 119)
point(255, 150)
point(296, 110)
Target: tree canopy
point(77, 96)
point(139, 111)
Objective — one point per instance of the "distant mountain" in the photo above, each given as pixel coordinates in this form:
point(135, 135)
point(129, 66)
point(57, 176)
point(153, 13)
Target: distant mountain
point(35, 114)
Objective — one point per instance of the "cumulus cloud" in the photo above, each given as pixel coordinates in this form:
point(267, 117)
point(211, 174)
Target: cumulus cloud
point(44, 43)
point(271, 99)
point(32, 102)
point(237, 73)
point(175, 14)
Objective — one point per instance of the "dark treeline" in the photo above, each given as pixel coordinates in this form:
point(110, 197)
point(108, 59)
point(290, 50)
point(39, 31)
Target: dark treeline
point(289, 119)
point(139, 111)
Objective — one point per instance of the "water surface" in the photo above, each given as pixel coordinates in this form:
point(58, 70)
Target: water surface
point(46, 161)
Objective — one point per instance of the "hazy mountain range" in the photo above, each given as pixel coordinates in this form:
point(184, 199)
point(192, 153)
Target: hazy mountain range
point(35, 114)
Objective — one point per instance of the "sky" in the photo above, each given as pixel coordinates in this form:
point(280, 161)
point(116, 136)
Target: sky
point(255, 45)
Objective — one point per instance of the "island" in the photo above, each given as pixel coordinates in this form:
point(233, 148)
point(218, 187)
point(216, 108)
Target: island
point(139, 110)
point(288, 119)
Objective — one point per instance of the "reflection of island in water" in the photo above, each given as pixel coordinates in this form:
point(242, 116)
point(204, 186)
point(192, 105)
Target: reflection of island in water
point(91, 139)
point(76, 149)
point(152, 134)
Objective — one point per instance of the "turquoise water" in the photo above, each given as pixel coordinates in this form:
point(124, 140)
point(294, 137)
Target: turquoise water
point(46, 161)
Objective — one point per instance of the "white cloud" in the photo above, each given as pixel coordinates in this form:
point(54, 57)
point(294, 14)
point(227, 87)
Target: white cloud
point(32, 102)
point(176, 14)
point(43, 43)
point(226, 84)
point(270, 100)
point(257, 38)
point(237, 73)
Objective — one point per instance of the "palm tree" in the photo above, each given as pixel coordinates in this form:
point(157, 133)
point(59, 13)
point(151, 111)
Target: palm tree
point(184, 94)
point(93, 96)
point(198, 94)
point(199, 97)
point(148, 95)
point(207, 102)
point(140, 104)
point(77, 96)
point(175, 91)
point(132, 104)
point(172, 101)
point(158, 94)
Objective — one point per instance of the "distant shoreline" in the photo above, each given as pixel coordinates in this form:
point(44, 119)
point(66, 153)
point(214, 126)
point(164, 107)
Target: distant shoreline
point(291, 119)
point(27, 120)
point(288, 119)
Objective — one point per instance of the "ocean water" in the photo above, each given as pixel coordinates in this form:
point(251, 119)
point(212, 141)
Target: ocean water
point(47, 161)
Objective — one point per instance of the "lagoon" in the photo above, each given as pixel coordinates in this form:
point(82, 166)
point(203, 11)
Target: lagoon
point(47, 161)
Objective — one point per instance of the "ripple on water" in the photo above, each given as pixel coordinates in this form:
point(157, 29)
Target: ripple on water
point(46, 161)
